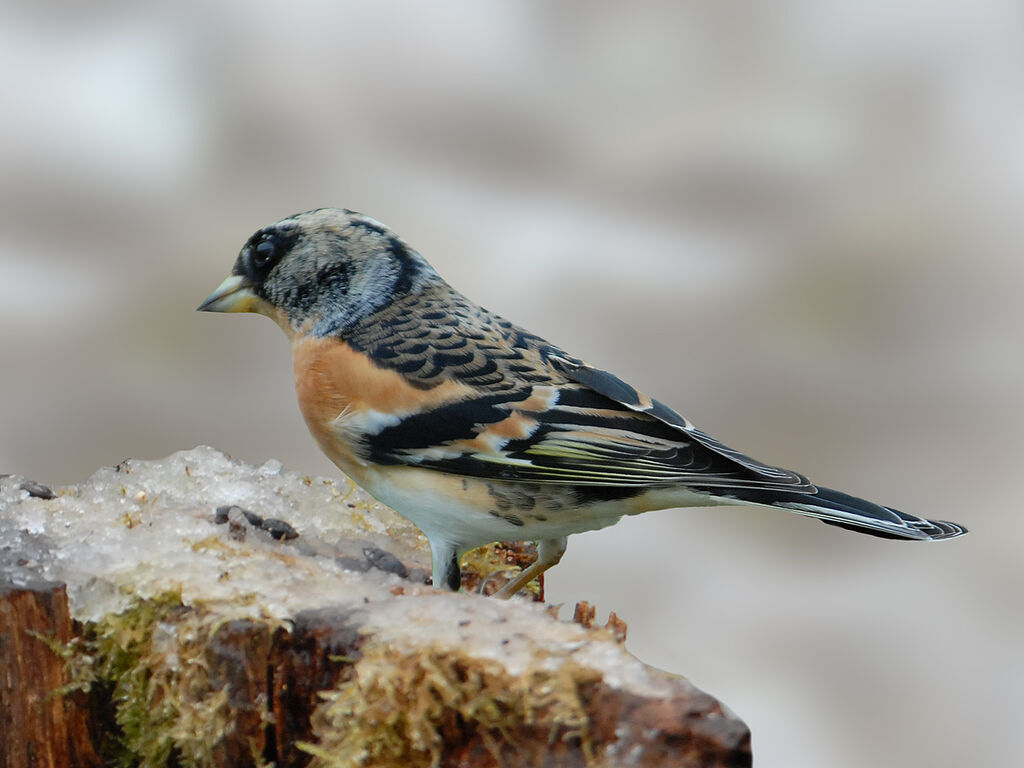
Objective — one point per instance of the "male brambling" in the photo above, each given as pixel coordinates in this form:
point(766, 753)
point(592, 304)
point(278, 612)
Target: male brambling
point(475, 429)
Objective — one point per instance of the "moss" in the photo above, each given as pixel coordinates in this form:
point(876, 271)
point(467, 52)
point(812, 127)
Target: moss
point(127, 654)
point(489, 559)
point(402, 709)
point(147, 672)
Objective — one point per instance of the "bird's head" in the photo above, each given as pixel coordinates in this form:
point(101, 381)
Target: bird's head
point(320, 272)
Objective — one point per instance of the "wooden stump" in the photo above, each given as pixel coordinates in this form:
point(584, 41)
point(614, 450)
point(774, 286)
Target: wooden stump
point(39, 727)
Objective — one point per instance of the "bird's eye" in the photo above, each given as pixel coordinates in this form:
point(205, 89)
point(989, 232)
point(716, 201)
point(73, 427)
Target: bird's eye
point(263, 254)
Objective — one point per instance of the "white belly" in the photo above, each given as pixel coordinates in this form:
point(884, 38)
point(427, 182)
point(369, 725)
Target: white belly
point(470, 512)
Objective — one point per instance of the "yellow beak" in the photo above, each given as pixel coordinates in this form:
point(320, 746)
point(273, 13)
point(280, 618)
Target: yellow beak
point(233, 295)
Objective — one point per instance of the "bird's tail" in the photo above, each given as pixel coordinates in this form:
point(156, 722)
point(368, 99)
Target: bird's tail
point(845, 511)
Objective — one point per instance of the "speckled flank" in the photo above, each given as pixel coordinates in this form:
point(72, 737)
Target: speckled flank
point(515, 501)
point(522, 496)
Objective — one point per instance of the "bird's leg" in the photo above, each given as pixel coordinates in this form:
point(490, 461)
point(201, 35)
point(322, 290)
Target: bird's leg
point(549, 552)
point(445, 571)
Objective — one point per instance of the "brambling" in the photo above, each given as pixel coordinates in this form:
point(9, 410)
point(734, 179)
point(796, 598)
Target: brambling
point(475, 429)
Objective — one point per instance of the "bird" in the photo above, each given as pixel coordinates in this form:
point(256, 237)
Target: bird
point(477, 430)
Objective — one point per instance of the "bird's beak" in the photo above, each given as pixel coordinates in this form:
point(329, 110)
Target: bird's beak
point(233, 295)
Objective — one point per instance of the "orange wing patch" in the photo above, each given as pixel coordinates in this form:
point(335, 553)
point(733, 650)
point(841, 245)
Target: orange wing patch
point(492, 439)
point(541, 399)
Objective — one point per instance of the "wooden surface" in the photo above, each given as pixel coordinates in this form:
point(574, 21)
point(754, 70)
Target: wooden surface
point(273, 677)
point(39, 727)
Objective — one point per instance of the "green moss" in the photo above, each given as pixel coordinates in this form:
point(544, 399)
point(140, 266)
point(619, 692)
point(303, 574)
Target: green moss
point(147, 673)
point(490, 559)
point(400, 710)
point(131, 661)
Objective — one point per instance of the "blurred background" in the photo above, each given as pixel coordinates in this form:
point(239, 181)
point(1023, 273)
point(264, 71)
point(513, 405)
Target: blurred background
point(796, 221)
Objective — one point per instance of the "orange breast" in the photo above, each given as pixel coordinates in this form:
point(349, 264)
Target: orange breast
point(334, 380)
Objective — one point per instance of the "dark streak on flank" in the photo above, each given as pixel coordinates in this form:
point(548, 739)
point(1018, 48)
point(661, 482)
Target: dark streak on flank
point(588, 494)
point(506, 497)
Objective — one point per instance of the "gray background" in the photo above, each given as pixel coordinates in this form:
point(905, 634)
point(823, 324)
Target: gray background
point(798, 222)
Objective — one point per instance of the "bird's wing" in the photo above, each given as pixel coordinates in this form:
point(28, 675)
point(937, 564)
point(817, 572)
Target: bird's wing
point(613, 387)
point(535, 413)
point(566, 433)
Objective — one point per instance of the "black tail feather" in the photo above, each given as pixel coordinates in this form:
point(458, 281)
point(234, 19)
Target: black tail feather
point(845, 511)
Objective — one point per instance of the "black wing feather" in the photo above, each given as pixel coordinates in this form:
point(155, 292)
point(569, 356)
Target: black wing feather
point(615, 388)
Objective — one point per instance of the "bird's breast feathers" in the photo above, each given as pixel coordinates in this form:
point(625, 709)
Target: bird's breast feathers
point(343, 395)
